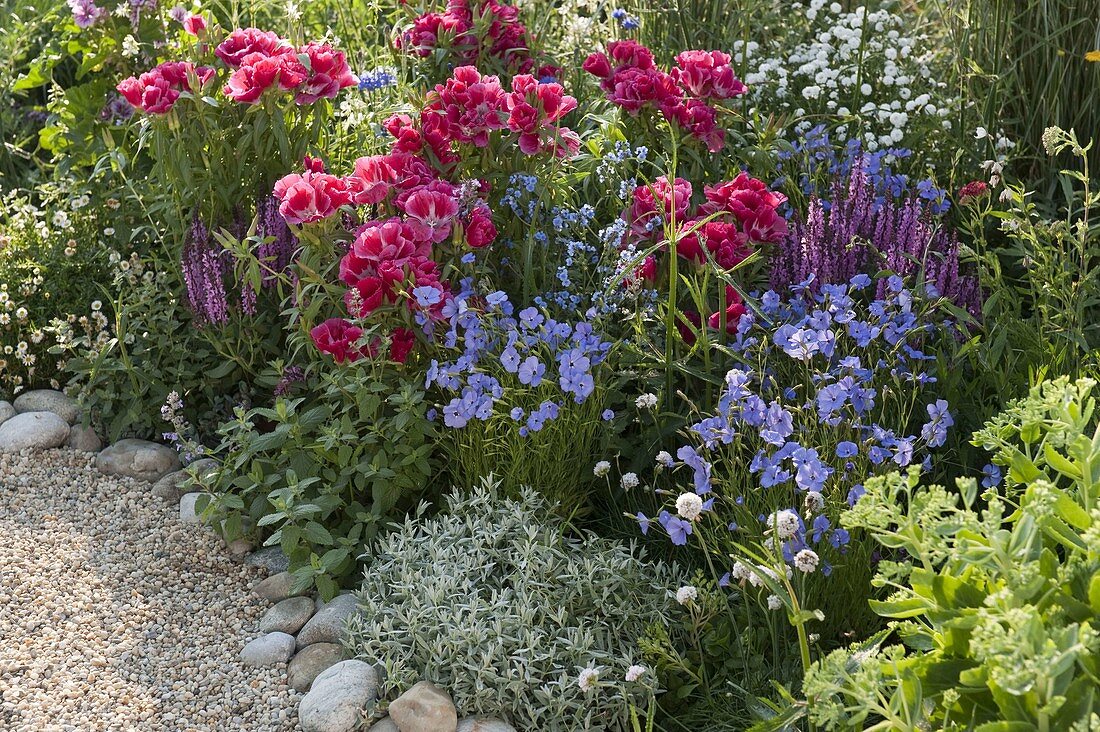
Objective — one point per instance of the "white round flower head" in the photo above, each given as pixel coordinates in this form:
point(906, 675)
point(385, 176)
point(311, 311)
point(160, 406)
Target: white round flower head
point(646, 401)
point(806, 561)
point(663, 458)
point(588, 678)
point(629, 480)
point(635, 672)
point(774, 603)
point(739, 572)
point(686, 594)
point(785, 523)
point(689, 506)
point(601, 468)
point(813, 502)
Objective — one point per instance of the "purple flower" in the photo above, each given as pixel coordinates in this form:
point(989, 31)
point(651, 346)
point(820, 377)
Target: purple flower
point(678, 529)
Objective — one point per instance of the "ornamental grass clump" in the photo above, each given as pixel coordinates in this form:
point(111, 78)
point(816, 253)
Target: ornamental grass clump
point(494, 603)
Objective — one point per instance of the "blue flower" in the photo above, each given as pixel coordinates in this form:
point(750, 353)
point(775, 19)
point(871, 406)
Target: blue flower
point(992, 476)
point(530, 371)
point(643, 522)
point(846, 449)
point(678, 529)
point(509, 359)
point(607, 415)
point(426, 295)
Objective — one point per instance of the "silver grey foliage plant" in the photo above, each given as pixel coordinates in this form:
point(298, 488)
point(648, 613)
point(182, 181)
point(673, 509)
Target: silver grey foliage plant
point(491, 601)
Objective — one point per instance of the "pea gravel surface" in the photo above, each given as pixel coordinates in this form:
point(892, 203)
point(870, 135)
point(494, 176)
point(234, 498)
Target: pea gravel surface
point(116, 616)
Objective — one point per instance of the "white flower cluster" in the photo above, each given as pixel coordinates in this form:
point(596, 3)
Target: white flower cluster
point(861, 65)
point(687, 594)
point(785, 523)
point(689, 506)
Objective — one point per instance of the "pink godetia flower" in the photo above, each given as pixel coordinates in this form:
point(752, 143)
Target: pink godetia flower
point(258, 72)
point(698, 120)
point(432, 209)
point(401, 344)
point(310, 196)
point(707, 75)
point(498, 34)
point(534, 111)
point(752, 203)
point(367, 295)
point(246, 41)
point(688, 322)
point(479, 229)
point(735, 308)
point(656, 204)
point(156, 91)
point(194, 24)
point(726, 245)
point(646, 272)
point(633, 89)
point(382, 247)
point(472, 106)
point(339, 338)
point(328, 73)
point(371, 181)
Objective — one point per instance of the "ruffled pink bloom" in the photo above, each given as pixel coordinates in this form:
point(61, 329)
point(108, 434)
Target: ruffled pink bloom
point(433, 210)
point(338, 337)
point(366, 296)
point(156, 91)
point(707, 74)
point(391, 242)
point(479, 230)
point(258, 73)
point(645, 272)
point(698, 120)
point(752, 203)
point(246, 41)
point(401, 344)
point(734, 310)
point(328, 74)
point(310, 196)
point(658, 201)
point(634, 88)
point(534, 110)
point(194, 24)
point(471, 104)
point(371, 181)
point(726, 245)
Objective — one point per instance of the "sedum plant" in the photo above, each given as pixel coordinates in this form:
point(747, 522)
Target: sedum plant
point(493, 602)
point(994, 599)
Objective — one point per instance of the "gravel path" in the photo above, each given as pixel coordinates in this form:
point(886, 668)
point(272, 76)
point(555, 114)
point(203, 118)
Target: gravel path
point(115, 616)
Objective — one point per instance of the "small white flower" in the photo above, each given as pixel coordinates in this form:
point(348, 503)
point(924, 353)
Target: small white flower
point(774, 603)
point(601, 468)
point(981, 133)
point(689, 506)
point(813, 502)
point(97, 305)
point(629, 480)
point(806, 561)
point(785, 523)
point(686, 594)
point(635, 672)
point(663, 458)
point(588, 678)
point(646, 401)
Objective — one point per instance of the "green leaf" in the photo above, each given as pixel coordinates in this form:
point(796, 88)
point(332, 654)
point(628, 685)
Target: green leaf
point(910, 607)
